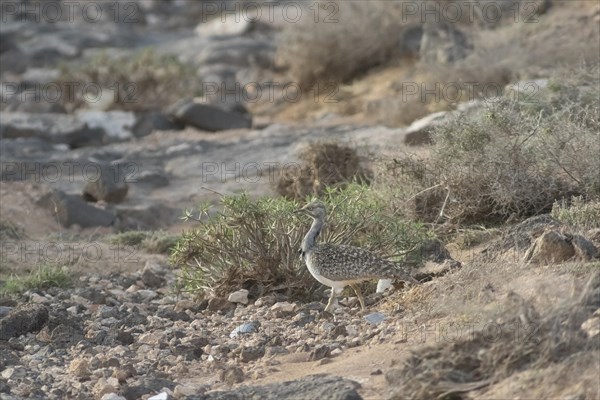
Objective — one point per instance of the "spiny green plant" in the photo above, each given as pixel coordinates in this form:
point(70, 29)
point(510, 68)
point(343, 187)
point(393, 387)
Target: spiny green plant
point(253, 243)
point(44, 277)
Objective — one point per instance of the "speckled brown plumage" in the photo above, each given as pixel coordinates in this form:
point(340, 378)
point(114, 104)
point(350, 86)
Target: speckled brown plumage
point(338, 266)
point(343, 263)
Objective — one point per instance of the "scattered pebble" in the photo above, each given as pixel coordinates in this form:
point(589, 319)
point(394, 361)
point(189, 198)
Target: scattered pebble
point(375, 318)
point(239, 296)
point(244, 329)
point(121, 339)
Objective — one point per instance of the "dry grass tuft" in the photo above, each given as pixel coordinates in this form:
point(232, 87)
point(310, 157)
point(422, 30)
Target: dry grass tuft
point(519, 338)
point(140, 81)
point(11, 231)
point(577, 213)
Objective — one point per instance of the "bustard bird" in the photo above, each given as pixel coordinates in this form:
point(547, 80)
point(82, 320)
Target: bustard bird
point(338, 266)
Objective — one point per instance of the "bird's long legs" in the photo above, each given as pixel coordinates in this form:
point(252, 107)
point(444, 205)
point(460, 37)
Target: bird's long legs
point(332, 299)
point(359, 295)
point(335, 292)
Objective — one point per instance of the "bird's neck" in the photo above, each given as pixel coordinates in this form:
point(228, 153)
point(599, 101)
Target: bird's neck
point(310, 239)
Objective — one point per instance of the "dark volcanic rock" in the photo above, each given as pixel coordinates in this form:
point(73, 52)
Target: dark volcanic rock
point(208, 117)
point(151, 121)
point(26, 318)
point(153, 179)
point(53, 127)
point(71, 210)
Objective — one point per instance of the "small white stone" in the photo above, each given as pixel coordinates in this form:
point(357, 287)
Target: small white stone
point(284, 306)
point(352, 330)
point(239, 296)
point(375, 318)
point(383, 284)
point(36, 298)
point(160, 396)
point(112, 396)
point(182, 391)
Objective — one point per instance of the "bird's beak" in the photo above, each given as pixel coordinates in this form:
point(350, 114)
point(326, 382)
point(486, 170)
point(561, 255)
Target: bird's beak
point(300, 210)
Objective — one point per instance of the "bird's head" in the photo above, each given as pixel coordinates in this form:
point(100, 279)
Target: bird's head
point(315, 209)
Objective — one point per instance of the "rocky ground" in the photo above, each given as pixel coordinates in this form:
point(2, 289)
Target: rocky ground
point(129, 335)
point(72, 176)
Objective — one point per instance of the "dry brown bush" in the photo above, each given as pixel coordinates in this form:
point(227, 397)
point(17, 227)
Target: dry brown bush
point(510, 160)
point(349, 38)
point(325, 165)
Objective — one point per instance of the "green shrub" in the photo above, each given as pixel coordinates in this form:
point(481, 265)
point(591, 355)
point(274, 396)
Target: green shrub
point(160, 243)
point(153, 242)
point(129, 238)
point(578, 213)
point(45, 277)
point(509, 160)
point(10, 230)
point(254, 243)
point(140, 81)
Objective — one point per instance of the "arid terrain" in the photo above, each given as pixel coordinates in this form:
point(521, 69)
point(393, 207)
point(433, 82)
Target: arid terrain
point(153, 152)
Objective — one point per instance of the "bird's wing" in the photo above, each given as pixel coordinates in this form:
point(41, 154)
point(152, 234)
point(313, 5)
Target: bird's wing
point(340, 262)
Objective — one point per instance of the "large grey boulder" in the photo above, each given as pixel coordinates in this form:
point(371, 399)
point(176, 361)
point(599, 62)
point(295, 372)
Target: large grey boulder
point(72, 210)
point(148, 122)
point(208, 117)
point(55, 128)
point(239, 51)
